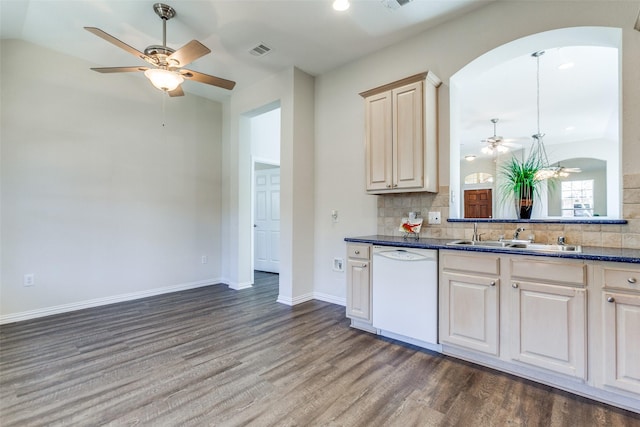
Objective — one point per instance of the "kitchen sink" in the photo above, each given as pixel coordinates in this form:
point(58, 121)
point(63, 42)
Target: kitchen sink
point(517, 244)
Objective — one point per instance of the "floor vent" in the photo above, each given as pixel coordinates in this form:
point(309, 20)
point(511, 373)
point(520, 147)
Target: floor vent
point(260, 50)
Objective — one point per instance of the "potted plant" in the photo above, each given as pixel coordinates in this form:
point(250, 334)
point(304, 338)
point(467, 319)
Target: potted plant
point(521, 182)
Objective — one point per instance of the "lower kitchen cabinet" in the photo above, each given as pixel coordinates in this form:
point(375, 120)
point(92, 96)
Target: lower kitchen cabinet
point(471, 306)
point(548, 315)
point(469, 301)
point(359, 286)
point(548, 327)
point(621, 328)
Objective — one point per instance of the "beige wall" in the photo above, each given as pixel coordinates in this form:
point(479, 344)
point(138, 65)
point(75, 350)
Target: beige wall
point(100, 200)
point(445, 50)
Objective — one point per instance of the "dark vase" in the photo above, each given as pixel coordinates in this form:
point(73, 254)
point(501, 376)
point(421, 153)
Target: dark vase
point(524, 203)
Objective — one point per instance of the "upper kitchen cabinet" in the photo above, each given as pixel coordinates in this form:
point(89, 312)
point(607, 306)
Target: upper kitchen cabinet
point(401, 136)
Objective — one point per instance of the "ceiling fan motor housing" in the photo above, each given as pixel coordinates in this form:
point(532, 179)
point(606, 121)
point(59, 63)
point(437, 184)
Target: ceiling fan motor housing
point(164, 11)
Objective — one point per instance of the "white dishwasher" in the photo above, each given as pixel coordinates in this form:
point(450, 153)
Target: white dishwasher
point(405, 294)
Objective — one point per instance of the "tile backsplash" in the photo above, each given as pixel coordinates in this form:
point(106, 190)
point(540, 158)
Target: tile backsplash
point(393, 207)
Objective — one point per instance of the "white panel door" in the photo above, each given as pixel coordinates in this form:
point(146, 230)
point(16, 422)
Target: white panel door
point(267, 220)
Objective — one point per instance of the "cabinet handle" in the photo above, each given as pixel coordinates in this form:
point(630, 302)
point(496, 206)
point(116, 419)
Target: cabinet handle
point(631, 280)
point(395, 185)
point(493, 283)
point(357, 252)
point(514, 285)
point(611, 299)
point(388, 185)
point(364, 265)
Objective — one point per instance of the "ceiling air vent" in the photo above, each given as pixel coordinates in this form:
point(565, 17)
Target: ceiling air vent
point(395, 4)
point(260, 50)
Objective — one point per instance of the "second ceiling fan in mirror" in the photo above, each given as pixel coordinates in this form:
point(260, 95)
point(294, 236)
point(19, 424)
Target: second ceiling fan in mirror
point(496, 144)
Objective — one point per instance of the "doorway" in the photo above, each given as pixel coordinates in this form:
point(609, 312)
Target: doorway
point(478, 203)
point(265, 188)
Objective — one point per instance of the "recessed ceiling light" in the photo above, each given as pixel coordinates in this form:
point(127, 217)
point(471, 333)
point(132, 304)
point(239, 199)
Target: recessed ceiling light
point(565, 66)
point(341, 5)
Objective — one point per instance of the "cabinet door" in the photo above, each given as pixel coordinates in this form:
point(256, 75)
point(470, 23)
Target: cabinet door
point(408, 136)
point(378, 129)
point(469, 312)
point(548, 327)
point(622, 341)
point(358, 290)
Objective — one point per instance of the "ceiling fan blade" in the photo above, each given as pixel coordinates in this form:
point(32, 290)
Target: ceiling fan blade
point(188, 53)
point(205, 78)
point(122, 45)
point(119, 69)
point(176, 92)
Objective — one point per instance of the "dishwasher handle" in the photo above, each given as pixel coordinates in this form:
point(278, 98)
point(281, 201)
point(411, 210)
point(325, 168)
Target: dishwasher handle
point(404, 255)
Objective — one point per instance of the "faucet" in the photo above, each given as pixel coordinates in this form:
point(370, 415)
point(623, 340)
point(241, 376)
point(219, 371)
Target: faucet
point(476, 237)
point(517, 232)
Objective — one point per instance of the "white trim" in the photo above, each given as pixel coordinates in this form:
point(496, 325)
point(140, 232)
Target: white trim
point(295, 301)
point(65, 308)
point(237, 286)
point(330, 298)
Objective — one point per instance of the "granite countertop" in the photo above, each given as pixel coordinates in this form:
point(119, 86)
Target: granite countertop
point(588, 252)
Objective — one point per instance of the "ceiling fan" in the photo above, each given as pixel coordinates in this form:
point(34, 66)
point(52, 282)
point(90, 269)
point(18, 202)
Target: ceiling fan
point(166, 72)
point(495, 143)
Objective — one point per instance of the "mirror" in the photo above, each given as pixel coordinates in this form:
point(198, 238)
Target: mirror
point(578, 91)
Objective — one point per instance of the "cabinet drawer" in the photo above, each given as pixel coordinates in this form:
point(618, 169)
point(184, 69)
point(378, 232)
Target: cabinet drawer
point(622, 278)
point(561, 272)
point(482, 264)
point(358, 251)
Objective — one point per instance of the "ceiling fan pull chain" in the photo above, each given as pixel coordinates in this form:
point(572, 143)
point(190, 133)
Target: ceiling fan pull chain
point(164, 115)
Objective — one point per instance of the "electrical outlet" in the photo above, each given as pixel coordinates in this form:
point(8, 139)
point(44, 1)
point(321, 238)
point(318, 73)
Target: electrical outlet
point(205, 259)
point(29, 280)
point(434, 217)
point(338, 264)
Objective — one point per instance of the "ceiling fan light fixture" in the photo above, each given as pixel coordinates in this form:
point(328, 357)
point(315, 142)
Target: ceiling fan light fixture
point(341, 5)
point(164, 80)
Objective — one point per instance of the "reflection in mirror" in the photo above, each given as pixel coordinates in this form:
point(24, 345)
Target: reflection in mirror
point(494, 115)
point(582, 194)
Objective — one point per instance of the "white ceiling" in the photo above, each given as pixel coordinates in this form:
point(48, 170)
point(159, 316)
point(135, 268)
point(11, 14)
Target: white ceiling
point(307, 34)
point(310, 35)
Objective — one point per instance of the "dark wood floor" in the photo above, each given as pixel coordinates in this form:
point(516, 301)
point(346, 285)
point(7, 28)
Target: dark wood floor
point(214, 356)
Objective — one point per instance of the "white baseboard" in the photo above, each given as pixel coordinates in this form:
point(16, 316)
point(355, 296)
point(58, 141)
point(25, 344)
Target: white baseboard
point(65, 308)
point(239, 285)
point(330, 298)
point(295, 301)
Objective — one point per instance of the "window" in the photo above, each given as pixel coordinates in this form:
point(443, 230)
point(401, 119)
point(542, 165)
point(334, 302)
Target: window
point(577, 198)
point(478, 178)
